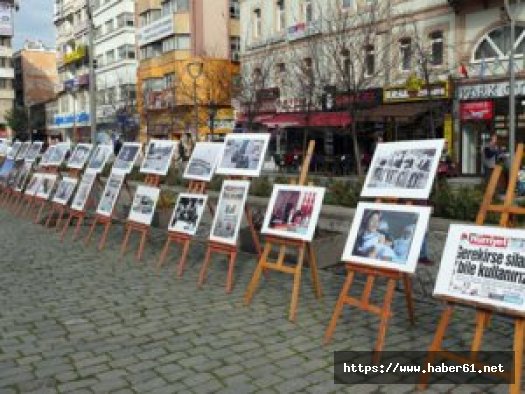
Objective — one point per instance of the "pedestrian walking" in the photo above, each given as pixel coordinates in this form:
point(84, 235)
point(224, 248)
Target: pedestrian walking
point(489, 155)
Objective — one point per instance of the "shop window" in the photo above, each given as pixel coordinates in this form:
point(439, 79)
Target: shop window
point(436, 42)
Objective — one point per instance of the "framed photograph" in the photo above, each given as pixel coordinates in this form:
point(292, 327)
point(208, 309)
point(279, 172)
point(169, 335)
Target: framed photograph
point(47, 154)
point(188, 213)
point(484, 266)
point(33, 185)
point(58, 155)
point(34, 151)
point(387, 236)
point(293, 211)
point(230, 209)
point(14, 149)
point(23, 175)
point(203, 161)
point(243, 154)
point(80, 156)
point(110, 194)
point(4, 147)
point(127, 157)
point(404, 169)
point(99, 158)
point(158, 158)
point(144, 203)
point(22, 152)
point(83, 191)
point(7, 167)
point(65, 190)
point(46, 185)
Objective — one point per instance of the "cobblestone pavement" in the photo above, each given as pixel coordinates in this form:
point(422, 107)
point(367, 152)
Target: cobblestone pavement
point(76, 320)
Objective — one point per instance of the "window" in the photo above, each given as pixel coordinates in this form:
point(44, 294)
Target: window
point(169, 80)
point(436, 42)
point(128, 93)
point(109, 26)
point(126, 52)
point(125, 19)
point(257, 25)
point(6, 62)
point(98, 31)
point(6, 83)
point(347, 3)
point(345, 54)
point(5, 41)
point(405, 47)
point(307, 11)
point(171, 6)
point(101, 96)
point(100, 60)
point(110, 56)
point(496, 44)
point(235, 9)
point(149, 16)
point(111, 94)
point(235, 48)
point(280, 74)
point(176, 42)
point(369, 60)
point(151, 50)
point(280, 17)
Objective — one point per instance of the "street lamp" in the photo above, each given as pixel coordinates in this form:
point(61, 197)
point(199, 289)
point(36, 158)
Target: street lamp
point(195, 71)
point(212, 113)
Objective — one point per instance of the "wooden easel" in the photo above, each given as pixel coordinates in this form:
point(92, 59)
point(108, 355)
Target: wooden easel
point(384, 311)
point(144, 230)
point(61, 209)
point(197, 187)
point(304, 249)
point(483, 314)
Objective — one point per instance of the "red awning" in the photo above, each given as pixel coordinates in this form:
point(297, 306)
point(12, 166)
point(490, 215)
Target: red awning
point(315, 119)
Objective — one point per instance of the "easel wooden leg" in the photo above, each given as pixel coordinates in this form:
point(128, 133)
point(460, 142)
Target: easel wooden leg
point(254, 282)
point(519, 327)
point(59, 218)
point(80, 220)
point(40, 211)
point(385, 315)
point(482, 319)
point(407, 284)
point(435, 346)
point(339, 307)
point(140, 251)
point(104, 235)
point(125, 241)
point(313, 269)
point(163, 254)
point(202, 275)
point(255, 237)
point(183, 257)
point(48, 221)
point(231, 266)
point(297, 284)
point(66, 226)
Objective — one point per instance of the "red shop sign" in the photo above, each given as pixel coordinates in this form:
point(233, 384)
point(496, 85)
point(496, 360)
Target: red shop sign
point(477, 110)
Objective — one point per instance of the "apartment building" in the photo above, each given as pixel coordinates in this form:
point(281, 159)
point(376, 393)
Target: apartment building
point(189, 52)
point(116, 72)
point(7, 93)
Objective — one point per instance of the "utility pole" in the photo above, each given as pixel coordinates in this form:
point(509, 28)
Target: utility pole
point(92, 78)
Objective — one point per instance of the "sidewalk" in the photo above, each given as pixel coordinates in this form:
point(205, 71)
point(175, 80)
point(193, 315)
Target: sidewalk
point(75, 320)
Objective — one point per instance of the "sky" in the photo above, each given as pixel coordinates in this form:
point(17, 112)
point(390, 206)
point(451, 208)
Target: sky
point(34, 21)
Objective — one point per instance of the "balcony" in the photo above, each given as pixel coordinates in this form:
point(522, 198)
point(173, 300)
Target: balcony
point(303, 30)
point(8, 73)
point(7, 94)
point(76, 55)
point(156, 31)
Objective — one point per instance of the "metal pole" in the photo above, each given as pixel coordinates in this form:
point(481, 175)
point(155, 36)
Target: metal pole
point(92, 79)
point(512, 81)
point(196, 108)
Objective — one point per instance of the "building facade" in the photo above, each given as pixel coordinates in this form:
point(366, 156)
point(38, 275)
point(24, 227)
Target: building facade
point(189, 53)
point(116, 72)
point(7, 74)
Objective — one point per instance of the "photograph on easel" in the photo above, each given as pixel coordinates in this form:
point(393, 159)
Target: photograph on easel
point(110, 194)
point(203, 161)
point(484, 265)
point(230, 209)
point(158, 157)
point(99, 158)
point(83, 191)
point(80, 156)
point(293, 211)
point(33, 185)
point(46, 185)
point(22, 176)
point(404, 169)
point(6, 169)
point(65, 190)
point(243, 154)
point(127, 157)
point(57, 155)
point(387, 236)
point(22, 152)
point(143, 205)
point(13, 152)
point(34, 151)
point(12, 179)
point(188, 213)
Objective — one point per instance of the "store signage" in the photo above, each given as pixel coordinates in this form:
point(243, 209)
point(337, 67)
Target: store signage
point(477, 110)
point(69, 120)
point(407, 92)
point(334, 101)
point(489, 90)
point(295, 104)
point(155, 31)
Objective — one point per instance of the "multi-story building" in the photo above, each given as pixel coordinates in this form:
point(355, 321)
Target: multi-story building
point(7, 74)
point(35, 81)
point(72, 122)
point(188, 50)
point(116, 71)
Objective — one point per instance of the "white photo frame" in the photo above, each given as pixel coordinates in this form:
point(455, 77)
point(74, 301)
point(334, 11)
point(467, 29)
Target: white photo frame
point(229, 213)
point(14, 149)
point(80, 156)
point(23, 176)
point(188, 213)
point(243, 154)
point(293, 211)
point(144, 204)
point(387, 236)
point(129, 152)
point(33, 185)
point(404, 169)
point(56, 155)
point(65, 190)
point(33, 151)
point(498, 282)
point(98, 159)
point(203, 161)
point(83, 191)
point(159, 154)
point(110, 194)
point(46, 185)
point(22, 152)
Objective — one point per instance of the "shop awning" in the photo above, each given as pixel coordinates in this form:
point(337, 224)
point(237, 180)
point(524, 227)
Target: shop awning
point(314, 119)
point(401, 111)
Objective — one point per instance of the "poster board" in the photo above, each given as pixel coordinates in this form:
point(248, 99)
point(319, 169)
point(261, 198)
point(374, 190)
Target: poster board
point(5, 170)
point(404, 169)
point(188, 213)
point(46, 185)
point(110, 194)
point(203, 161)
point(57, 155)
point(230, 210)
point(83, 191)
point(34, 184)
point(22, 152)
point(23, 175)
point(484, 266)
point(33, 151)
point(243, 154)
point(65, 190)
point(80, 156)
point(293, 211)
point(159, 155)
point(14, 149)
point(99, 158)
point(127, 157)
point(387, 236)
point(143, 205)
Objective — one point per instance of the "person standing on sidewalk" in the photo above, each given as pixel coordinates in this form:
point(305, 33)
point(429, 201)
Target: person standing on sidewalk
point(490, 155)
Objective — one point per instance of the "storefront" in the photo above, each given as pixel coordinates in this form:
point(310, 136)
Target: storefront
point(483, 111)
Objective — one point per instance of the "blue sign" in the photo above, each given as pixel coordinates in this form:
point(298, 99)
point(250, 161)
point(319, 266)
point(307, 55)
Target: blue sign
point(68, 120)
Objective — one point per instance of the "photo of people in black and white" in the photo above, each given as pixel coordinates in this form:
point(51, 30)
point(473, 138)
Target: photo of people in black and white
point(65, 190)
point(33, 151)
point(79, 156)
point(46, 185)
point(230, 210)
point(158, 157)
point(188, 213)
point(83, 191)
point(12, 178)
point(126, 157)
point(110, 195)
point(243, 154)
point(57, 155)
point(144, 203)
point(22, 176)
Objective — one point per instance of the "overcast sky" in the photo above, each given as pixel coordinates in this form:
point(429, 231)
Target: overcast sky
point(34, 21)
